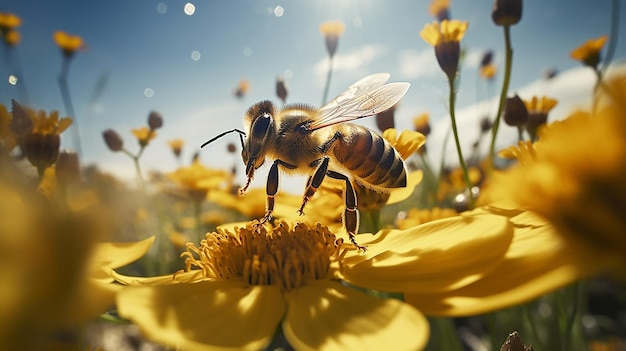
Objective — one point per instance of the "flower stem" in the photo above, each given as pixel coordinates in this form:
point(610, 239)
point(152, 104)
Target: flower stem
point(69, 107)
point(328, 76)
point(135, 159)
point(610, 51)
point(458, 143)
point(505, 88)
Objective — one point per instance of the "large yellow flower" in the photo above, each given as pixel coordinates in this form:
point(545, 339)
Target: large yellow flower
point(537, 262)
point(54, 274)
point(242, 284)
point(574, 175)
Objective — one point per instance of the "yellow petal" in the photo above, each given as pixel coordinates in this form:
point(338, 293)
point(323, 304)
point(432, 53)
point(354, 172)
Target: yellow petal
point(188, 277)
point(537, 263)
point(400, 194)
point(115, 255)
point(329, 316)
point(205, 315)
point(433, 257)
point(431, 33)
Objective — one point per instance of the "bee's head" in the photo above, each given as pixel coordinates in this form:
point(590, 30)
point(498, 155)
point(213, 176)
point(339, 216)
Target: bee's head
point(259, 123)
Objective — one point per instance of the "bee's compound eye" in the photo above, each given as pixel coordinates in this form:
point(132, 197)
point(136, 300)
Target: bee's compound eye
point(260, 126)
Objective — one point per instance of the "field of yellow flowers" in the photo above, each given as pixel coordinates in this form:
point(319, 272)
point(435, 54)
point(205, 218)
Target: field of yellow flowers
point(517, 249)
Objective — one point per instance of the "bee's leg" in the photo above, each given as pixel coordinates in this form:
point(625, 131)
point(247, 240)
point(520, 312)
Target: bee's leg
point(272, 188)
point(314, 181)
point(351, 213)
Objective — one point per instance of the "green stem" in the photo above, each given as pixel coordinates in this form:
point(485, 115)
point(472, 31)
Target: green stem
point(468, 183)
point(135, 159)
point(610, 51)
point(505, 88)
point(520, 134)
point(69, 107)
point(328, 76)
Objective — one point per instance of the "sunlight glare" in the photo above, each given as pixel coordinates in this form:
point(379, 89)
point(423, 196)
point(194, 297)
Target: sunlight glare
point(148, 92)
point(12, 79)
point(247, 51)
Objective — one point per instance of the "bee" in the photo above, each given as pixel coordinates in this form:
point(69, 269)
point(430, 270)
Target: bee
point(321, 142)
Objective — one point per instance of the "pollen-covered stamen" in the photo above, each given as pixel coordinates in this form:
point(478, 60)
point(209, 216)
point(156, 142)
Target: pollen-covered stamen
point(282, 256)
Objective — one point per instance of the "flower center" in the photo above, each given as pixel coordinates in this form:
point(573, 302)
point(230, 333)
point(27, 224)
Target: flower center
point(282, 256)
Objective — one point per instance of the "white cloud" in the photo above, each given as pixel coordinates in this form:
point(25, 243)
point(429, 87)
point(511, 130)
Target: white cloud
point(351, 61)
point(416, 64)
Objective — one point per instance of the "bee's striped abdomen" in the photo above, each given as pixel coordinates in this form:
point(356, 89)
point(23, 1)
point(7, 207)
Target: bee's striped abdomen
point(369, 157)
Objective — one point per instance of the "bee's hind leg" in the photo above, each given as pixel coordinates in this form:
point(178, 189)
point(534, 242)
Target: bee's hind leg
point(314, 181)
point(351, 213)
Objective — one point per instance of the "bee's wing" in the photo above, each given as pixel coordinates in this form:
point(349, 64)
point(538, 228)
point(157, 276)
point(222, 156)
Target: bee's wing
point(364, 98)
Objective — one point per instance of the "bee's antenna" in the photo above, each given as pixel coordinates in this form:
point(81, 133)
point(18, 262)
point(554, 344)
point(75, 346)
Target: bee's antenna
point(241, 135)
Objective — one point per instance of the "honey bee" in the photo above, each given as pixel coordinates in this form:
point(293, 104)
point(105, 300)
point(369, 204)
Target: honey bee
point(321, 142)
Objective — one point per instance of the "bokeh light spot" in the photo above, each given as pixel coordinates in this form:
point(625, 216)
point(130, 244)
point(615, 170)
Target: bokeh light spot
point(279, 11)
point(148, 92)
point(189, 9)
point(12, 79)
point(161, 8)
point(288, 74)
point(247, 51)
point(195, 55)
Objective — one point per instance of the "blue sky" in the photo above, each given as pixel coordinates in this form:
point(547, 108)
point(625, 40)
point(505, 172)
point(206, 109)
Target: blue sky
point(134, 45)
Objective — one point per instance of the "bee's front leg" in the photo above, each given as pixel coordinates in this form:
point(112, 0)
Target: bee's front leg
point(314, 181)
point(351, 213)
point(272, 188)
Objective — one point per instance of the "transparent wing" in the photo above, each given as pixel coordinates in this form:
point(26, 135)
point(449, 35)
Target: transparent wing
point(364, 98)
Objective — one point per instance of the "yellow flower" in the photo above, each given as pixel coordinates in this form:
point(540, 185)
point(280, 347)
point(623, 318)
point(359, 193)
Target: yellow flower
point(589, 52)
point(144, 135)
point(421, 123)
point(177, 146)
point(574, 175)
point(406, 143)
point(252, 205)
point(415, 217)
point(447, 31)
point(332, 30)
point(197, 180)
point(446, 37)
point(241, 284)
point(8, 22)
point(68, 43)
point(38, 134)
point(439, 9)
point(488, 71)
point(538, 109)
point(54, 274)
point(12, 37)
point(242, 88)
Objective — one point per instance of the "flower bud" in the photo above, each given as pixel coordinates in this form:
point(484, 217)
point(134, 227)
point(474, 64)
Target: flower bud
point(281, 89)
point(41, 150)
point(155, 121)
point(331, 31)
point(67, 167)
point(448, 54)
point(506, 12)
point(485, 125)
point(515, 112)
point(113, 140)
point(385, 119)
